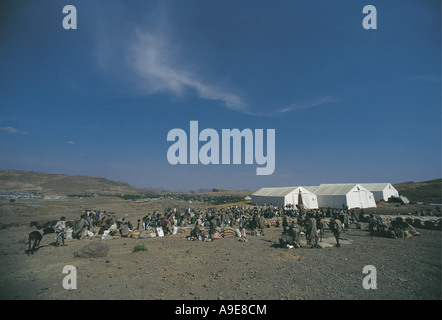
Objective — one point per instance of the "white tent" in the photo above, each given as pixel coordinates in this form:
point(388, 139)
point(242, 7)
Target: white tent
point(284, 196)
point(350, 195)
point(381, 191)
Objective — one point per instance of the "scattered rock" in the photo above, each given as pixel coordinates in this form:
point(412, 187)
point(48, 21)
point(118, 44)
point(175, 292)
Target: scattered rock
point(93, 250)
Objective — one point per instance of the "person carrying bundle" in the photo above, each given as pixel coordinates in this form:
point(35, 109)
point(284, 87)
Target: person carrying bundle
point(336, 227)
point(312, 232)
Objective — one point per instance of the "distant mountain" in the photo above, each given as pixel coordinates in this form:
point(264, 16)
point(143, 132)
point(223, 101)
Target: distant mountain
point(62, 184)
point(426, 191)
point(52, 183)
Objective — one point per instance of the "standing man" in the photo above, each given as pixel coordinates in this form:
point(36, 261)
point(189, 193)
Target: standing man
point(212, 226)
point(320, 227)
point(372, 224)
point(346, 220)
point(311, 222)
point(336, 228)
point(59, 228)
point(285, 223)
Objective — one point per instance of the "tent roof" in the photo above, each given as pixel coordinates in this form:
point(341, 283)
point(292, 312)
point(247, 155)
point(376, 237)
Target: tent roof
point(333, 189)
point(275, 192)
point(376, 186)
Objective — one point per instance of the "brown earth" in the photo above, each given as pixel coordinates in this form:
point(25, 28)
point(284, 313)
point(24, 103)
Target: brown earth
point(174, 268)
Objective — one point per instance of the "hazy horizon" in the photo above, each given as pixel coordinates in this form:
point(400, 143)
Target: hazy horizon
point(214, 186)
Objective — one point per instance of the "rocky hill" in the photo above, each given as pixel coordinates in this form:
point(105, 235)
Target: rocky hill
point(425, 191)
point(46, 183)
point(62, 184)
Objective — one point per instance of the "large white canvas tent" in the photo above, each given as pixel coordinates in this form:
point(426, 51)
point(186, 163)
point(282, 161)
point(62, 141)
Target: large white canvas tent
point(284, 196)
point(340, 195)
point(381, 191)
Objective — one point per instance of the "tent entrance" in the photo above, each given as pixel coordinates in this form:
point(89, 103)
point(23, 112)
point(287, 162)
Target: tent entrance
point(300, 199)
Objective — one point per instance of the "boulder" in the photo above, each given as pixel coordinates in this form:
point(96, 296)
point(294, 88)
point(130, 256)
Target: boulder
point(93, 250)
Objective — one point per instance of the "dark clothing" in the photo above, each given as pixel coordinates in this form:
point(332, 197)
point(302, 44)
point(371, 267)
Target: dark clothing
point(285, 223)
point(373, 225)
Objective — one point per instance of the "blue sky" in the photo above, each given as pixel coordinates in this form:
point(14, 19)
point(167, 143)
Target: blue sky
point(347, 104)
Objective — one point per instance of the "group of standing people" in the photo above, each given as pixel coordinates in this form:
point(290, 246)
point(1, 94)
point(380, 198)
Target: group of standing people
point(312, 224)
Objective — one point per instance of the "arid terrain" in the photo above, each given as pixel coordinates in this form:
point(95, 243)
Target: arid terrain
point(174, 268)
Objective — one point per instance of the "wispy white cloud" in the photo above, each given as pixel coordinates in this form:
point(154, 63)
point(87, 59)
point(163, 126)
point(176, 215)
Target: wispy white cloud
point(153, 59)
point(153, 62)
point(12, 130)
point(307, 105)
point(71, 142)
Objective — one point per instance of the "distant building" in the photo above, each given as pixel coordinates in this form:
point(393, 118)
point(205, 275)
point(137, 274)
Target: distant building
point(54, 198)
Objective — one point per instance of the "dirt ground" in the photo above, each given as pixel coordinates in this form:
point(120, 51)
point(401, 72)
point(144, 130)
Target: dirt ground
point(174, 268)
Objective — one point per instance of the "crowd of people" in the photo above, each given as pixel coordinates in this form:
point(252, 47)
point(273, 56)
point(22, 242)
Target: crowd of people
point(205, 223)
point(398, 228)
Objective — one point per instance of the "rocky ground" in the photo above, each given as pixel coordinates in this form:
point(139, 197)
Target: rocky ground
point(174, 268)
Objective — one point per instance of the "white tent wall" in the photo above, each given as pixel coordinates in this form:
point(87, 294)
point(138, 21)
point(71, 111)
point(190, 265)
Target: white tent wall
point(384, 195)
point(378, 195)
point(381, 191)
point(370, 199)
point(388, 193)
point(354, 200)
point(337, 195)
point(360, 199)
point(284, 196)
point(332, 201)
point(309, 200)
point(290, 199)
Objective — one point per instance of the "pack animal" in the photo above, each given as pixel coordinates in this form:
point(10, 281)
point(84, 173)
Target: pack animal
point(34, 240)
point(43, 224)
